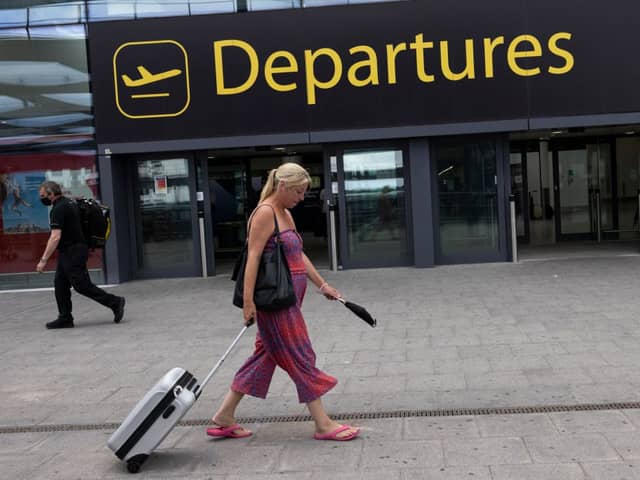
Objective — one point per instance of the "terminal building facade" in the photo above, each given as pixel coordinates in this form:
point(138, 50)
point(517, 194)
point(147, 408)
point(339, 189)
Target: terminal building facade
point(418, 122)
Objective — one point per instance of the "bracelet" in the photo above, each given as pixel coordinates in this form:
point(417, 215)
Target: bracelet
point(325, 284)
point(43, 260)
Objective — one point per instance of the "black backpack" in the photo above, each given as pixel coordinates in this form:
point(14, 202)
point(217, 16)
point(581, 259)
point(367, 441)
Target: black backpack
point(95, 221)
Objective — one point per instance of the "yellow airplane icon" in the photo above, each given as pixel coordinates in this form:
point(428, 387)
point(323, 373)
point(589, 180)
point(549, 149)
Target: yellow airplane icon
point(146, 77)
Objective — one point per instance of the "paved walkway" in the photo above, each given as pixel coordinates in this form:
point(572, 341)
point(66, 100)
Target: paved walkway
point(475, 336)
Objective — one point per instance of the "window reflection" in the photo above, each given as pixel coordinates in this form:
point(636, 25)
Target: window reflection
point(272, 4)
point(45, 87)
point(199, 7)
point(48, 120)
point(45, 110)
point(75, 12)
point(71, 32)
point(111, 10)
point(13, 17)
point(13, 33)
point(160, 8)
point(71, 12)
point(80, 99)
point(121, 9)
point(375, 205)
point(10, 104)
point(31, 73)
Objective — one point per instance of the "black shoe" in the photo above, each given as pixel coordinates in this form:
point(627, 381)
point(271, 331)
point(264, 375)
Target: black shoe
point(118, 310)
point(60, 323)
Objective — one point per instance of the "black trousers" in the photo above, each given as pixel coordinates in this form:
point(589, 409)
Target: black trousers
point(72, 272)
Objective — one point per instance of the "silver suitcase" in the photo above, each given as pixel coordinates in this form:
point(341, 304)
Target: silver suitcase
point(162, 407)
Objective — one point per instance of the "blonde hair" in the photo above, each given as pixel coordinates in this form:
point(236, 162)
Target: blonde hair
point(292, 174)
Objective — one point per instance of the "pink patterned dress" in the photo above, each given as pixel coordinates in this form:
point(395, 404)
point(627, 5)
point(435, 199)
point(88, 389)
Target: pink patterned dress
point(282, 340)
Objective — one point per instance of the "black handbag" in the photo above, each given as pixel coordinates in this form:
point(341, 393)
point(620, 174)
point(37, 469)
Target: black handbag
point(274, 287)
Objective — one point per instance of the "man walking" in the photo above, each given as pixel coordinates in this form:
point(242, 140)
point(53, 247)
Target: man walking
point(67, 237)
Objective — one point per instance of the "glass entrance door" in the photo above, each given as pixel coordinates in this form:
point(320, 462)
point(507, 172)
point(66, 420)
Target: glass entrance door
point(374, 203)
point(166, 218)
point(229, 210)
point(628, 186)
point(469, 210)
point(584, 191)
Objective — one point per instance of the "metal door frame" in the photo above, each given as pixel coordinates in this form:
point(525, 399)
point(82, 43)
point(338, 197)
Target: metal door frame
point(522, 148)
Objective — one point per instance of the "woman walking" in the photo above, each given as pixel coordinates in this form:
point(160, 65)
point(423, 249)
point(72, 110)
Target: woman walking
point(282, 339)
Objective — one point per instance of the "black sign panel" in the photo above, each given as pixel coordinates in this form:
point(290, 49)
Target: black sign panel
point(365, 66)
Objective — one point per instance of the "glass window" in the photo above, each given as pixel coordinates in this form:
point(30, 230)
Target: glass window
point(13, 17)
point(272, 4)
point(111, 10)
point(467, 193)
point(199, 7)
point(45, 112)
point(71, 32)
point(24, 221)
point(161, 8)
point(13, 33)
point(121, 9)
point(72, 12)
point(45, 85)
point(375, 205)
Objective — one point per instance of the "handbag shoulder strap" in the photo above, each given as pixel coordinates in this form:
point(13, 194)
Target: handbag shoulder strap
point(275, 219)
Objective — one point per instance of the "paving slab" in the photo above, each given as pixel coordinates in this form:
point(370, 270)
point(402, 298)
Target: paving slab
point(612, 471)
point(315, 455)
point(428, 428)
point(447, 473)
point(570, 448)
point(378, 455)
point(590, 421)
point(515, 425)
point(626, 444)
point(454, 337)
point(485, 451)
point(571, 471)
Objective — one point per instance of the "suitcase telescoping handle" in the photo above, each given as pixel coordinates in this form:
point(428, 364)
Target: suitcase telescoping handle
point(222, 359)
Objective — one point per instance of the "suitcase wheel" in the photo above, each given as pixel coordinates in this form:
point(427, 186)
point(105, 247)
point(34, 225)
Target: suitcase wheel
point(134, 464)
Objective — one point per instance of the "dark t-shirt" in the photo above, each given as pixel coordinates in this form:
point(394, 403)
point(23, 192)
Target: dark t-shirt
point(65, 216)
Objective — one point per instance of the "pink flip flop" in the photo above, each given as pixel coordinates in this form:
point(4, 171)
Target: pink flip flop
point(229, 432)
point(334, 434)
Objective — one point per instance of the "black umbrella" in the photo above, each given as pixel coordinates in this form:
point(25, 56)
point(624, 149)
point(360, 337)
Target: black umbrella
point(359, 311)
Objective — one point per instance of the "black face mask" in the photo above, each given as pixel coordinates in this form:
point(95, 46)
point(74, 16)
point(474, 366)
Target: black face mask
point(45, 201)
